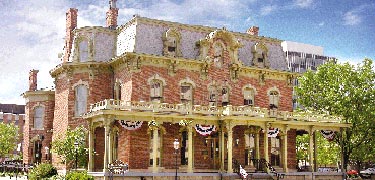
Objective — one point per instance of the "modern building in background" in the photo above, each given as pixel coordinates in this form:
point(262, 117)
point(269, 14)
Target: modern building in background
point(14, 114)
point(225, 96)
point(302, 57)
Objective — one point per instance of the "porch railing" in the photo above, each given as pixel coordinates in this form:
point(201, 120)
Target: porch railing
point(229, 110)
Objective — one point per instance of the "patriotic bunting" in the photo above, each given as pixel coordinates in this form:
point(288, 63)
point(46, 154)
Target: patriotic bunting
point(205, 130)
point(131, 125)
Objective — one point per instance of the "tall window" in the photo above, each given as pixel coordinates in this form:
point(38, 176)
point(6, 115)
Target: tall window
point(275, 151)
point(83, 51)
point(186, 93)
point(274, 99)
point(38, 117)
point(158, 142)
point(212, 97)
point(248, 96)
point(218, 55)
point(81, 93)
point(225, 96)
point(184, 148)
point(156, 93)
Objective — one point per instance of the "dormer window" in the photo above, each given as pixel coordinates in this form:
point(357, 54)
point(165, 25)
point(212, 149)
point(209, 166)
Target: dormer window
point(83, 51)
point(260, 55)
point(171, 42)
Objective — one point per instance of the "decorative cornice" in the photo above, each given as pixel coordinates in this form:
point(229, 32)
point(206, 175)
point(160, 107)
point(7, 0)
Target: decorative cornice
point(73, 67)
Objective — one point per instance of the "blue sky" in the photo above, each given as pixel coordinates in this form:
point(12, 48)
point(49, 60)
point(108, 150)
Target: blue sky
point(32, 32)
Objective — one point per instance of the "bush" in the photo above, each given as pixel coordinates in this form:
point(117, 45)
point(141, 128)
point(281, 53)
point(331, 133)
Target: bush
point(75, 175)
point(42, 171)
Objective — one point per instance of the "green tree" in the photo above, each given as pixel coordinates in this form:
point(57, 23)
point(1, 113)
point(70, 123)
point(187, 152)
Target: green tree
point(64, 147)
point(347, 91)
point(8, 138)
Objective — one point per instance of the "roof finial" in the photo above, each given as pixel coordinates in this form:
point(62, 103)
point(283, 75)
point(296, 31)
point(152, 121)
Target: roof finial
point(112, 4)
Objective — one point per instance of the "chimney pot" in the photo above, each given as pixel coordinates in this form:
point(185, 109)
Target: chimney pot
point(253, 30)
point(33, 82)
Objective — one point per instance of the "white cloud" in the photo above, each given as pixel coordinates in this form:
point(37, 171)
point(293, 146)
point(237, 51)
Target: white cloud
point(321, 23)
point(304, 3)
point(267, 9)
point(352, 18)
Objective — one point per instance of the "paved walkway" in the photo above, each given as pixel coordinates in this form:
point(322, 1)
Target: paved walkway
point(12, 178)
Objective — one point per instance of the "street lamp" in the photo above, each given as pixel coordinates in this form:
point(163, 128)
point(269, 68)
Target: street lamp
point(76, 148)
point(176, 145)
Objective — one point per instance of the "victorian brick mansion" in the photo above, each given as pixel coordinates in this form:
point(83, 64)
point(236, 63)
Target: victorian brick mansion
point(225, 96)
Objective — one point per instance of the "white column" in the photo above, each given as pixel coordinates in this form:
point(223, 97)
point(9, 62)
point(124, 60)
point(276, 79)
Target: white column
point(91, 148)
point(230, 146)
point(257, 149)
point(222, 150)
point(265, 142)
point(154, 149)
point(285, 151)
point(190, 150)
point(311, 150)
point(110, 147)
point(106, 146)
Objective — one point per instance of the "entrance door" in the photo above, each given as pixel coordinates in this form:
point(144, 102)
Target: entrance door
point(213, 143)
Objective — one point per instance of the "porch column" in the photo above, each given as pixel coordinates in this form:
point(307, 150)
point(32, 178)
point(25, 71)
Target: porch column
point(265, 143)
point(91, 148)
point(230, 146)
point(256, 144)
point(190, 149)
point(106, 146)
point(154, 149)
point(110, 147)
point(285, 150)
point(311, 149)
point(222, 149)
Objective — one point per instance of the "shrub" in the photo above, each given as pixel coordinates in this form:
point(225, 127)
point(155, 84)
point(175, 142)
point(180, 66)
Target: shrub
point(75, 175)
point(42, 171)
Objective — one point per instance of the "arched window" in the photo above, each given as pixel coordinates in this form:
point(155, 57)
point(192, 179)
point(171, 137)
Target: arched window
point(260, 55)
point(248, 96)
point(38, 117)
point(83, 51)
point(274, 99)
point(156, 90)
point(218, 54)
point(81, 93)
point(171, 42)
point(225, 95)
point(186, 93)
point(212, 96)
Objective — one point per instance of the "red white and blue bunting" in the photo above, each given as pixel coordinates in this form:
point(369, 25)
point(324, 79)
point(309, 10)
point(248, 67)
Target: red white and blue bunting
point(130, 125)
point(273, 132)
point(205, 130)
point(329, 135)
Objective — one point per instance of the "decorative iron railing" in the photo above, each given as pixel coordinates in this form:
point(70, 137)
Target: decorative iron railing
point(229, 110)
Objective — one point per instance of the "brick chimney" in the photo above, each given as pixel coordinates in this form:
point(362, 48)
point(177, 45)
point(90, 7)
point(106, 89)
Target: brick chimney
point(112, 13)
point(33, 82)
point(71, 24)
point(253, 30)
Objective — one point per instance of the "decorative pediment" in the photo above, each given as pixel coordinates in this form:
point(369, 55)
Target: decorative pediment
point(260, 55)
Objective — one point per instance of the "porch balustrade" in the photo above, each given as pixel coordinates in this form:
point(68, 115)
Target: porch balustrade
point(186, 109)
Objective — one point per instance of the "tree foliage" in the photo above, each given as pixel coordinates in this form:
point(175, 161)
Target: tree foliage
point(64, 147)
point(347, 91)
point(8, 138)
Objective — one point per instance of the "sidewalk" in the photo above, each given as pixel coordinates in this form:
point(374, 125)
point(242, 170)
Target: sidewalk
point(12, 178)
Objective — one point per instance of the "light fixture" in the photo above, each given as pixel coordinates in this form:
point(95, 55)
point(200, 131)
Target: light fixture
point(237, 141)
point(176, 145)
